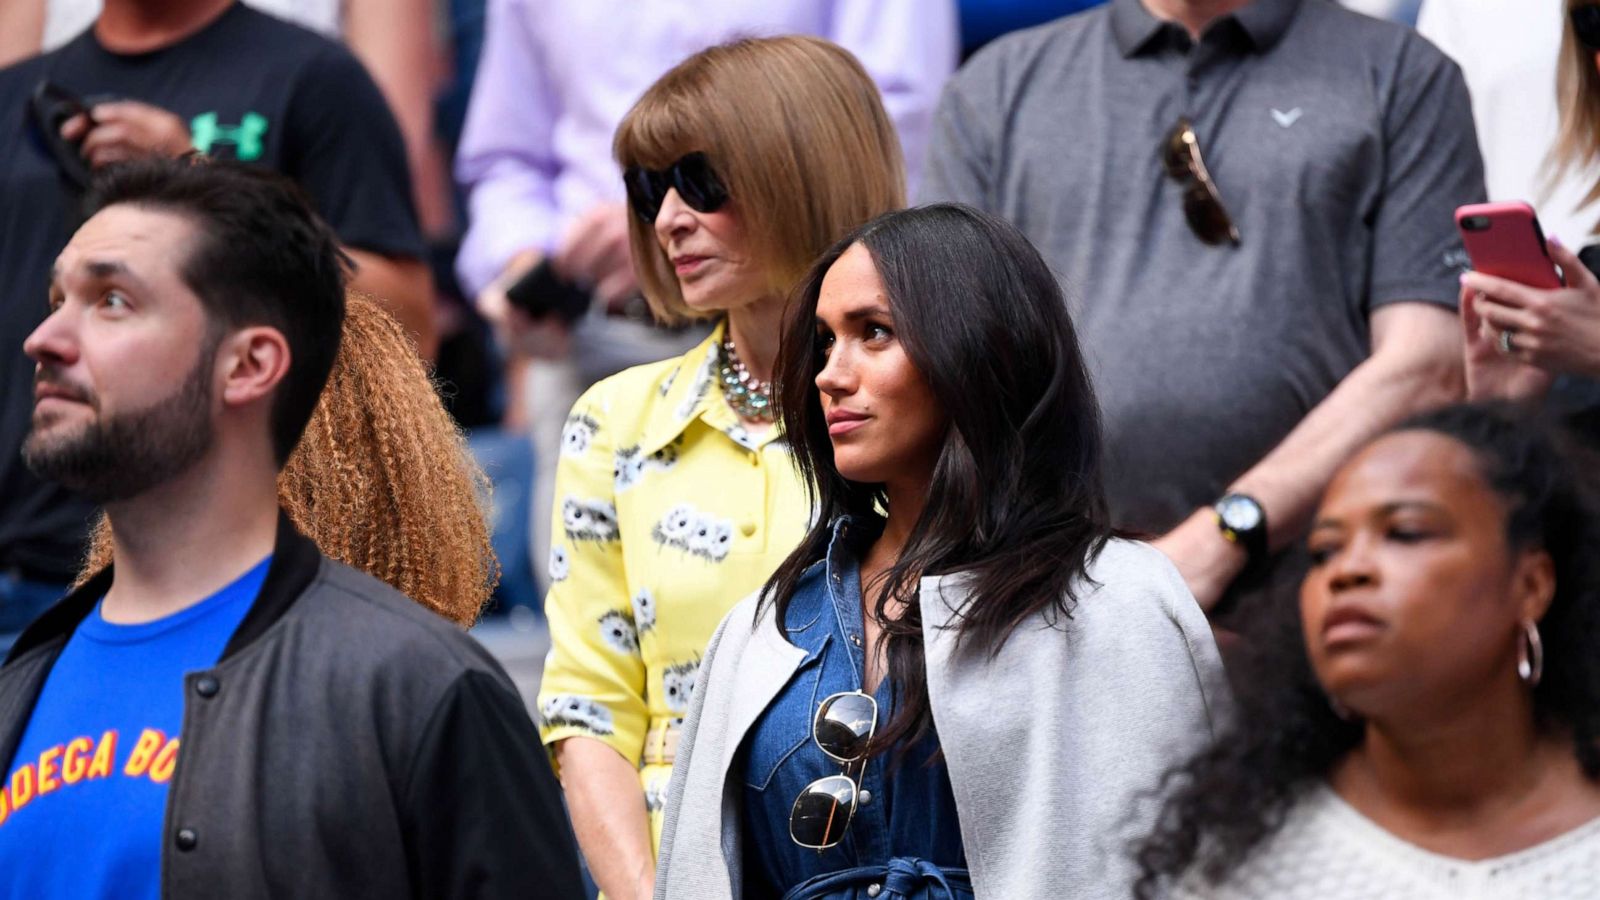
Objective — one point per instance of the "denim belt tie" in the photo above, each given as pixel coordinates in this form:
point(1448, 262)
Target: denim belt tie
point(900, 877)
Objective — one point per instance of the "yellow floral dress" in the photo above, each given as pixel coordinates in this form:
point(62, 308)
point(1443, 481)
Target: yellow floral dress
point(667, 513)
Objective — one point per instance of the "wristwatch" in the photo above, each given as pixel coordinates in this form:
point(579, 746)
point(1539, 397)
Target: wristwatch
point(1242, 521)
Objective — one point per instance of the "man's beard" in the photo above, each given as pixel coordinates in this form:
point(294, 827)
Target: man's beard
point(120, 457)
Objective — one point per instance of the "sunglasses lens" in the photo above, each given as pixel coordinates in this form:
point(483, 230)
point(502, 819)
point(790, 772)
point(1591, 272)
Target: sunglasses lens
point(698, 184)
point(822, 812)
point(1207, 218)
point(1586, 25)
point(844, 725)
point(643, 195)
point(1175, 154)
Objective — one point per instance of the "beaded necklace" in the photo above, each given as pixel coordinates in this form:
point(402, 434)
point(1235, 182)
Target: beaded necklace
point(749, 396)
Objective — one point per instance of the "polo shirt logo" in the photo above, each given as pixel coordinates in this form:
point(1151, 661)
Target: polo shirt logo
point(1286, 119)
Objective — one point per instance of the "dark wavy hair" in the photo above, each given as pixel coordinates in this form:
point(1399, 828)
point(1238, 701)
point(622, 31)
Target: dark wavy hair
point(1017, 499)
point(1285, 735)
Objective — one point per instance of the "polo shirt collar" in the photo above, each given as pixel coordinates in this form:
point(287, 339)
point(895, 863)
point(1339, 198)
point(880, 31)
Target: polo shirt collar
point(1133, 27)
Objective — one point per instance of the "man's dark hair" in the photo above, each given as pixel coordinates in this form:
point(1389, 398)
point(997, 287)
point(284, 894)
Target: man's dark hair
point(262, 257)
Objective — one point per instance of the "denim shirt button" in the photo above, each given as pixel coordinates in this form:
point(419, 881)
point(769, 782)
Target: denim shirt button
point(874, 890)
point(864, 798)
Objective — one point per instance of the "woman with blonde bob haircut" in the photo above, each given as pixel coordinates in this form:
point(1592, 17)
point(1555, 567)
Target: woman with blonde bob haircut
point(675, 493)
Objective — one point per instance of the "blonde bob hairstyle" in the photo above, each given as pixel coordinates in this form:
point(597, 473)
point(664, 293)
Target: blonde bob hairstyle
point(1577, 146)
point(796, 131)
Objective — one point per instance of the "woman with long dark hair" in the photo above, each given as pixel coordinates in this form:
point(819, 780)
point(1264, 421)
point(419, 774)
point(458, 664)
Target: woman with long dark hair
point(1427, 723)
point(961, 679)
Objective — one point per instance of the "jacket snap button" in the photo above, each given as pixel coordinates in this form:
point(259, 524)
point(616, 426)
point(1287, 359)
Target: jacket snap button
point(874, 890)
point(207, 686)
point(187, 839)
point(866, 797)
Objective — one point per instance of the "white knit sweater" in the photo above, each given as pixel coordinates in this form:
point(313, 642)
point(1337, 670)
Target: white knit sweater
point(1326, 850)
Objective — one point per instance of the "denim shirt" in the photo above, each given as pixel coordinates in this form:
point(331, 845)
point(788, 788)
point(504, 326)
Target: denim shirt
point(905, 840)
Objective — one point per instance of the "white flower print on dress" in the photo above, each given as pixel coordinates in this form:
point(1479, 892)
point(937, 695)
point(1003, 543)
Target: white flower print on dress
point(616, 629)
point(685, 528)
point(589, 520)
point(699, 387)
point(655, 792)
point(558, 563)
point(577, 712)
point(631, 463)
point(678, 682)
point(644, 610)
point(577, 434)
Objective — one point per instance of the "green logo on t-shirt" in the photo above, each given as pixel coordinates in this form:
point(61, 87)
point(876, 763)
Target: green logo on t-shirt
point(245, 136)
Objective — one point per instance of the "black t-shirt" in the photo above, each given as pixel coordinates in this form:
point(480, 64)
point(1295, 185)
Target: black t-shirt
point(252, 88)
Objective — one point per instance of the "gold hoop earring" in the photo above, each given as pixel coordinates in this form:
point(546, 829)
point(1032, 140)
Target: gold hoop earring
point(1530, 656)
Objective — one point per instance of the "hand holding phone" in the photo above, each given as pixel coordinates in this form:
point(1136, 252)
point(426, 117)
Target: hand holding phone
point(50, 107)
point(1505, 240)
point(541, 293)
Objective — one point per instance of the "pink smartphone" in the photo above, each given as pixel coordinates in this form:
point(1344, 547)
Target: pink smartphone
point(1505, 240)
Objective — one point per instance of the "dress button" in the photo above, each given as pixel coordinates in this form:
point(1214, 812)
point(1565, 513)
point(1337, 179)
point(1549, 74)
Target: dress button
point(206, 686)
point(874, 890)
point(187, 839)
point(865, 797)
point(748, 529)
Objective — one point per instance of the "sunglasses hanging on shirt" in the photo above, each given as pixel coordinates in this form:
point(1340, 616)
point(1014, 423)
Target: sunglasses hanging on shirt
point(691, 176)
point(843, 730)
point(1202, 206)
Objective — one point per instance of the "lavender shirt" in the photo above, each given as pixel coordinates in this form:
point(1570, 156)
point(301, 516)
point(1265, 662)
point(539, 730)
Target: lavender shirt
point(558, 75)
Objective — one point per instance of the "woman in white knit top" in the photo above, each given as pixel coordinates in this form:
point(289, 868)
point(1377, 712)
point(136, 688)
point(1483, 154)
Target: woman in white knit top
point(1430, 725)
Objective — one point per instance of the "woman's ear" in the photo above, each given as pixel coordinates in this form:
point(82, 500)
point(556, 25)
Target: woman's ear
point(251, 362)
point(1534, 584)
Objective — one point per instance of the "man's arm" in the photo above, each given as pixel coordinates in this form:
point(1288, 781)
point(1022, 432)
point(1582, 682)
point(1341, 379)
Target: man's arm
point(1415, 365)
point(482, 811)
point(405, 288)
point(21, 29)
point(506, 162)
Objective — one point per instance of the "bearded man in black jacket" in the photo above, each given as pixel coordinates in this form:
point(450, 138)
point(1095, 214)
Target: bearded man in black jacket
point(229, 713)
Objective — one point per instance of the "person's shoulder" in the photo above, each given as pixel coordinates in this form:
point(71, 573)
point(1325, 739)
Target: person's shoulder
point(1008, 59)
point(18, 79)
point(290, 46)
point(1382, 41)
point(377, 629)
point(1131, 581)
point(633, 399)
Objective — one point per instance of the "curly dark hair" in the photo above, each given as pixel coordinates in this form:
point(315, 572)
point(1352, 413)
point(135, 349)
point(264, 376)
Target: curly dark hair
point(1285, 735)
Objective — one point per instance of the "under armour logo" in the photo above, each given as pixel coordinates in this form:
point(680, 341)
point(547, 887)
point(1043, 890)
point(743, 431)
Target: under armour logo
point(1286, 119)
point(245, 136)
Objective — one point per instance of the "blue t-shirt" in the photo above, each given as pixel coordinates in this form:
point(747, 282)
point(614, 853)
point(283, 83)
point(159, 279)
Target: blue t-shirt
point(81, 811)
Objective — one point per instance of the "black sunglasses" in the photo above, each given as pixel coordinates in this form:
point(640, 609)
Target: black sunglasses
point(696, 182)
point(1586, 24)
point(1202, 205)
point(843, 730)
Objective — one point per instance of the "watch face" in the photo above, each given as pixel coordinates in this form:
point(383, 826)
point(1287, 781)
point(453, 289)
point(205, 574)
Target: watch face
point(1239, 513)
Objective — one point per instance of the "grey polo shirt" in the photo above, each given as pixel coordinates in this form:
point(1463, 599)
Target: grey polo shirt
point(1341, 146)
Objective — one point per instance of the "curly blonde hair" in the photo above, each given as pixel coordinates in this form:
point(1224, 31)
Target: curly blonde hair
point(382, 479)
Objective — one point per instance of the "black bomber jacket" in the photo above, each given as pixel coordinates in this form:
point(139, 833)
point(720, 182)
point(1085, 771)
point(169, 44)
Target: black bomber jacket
point(348, 744)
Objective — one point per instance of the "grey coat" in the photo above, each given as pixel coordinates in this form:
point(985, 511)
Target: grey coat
point(1053, 746)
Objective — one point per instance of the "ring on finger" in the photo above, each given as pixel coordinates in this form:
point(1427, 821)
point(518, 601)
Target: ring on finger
point(1506, 345)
